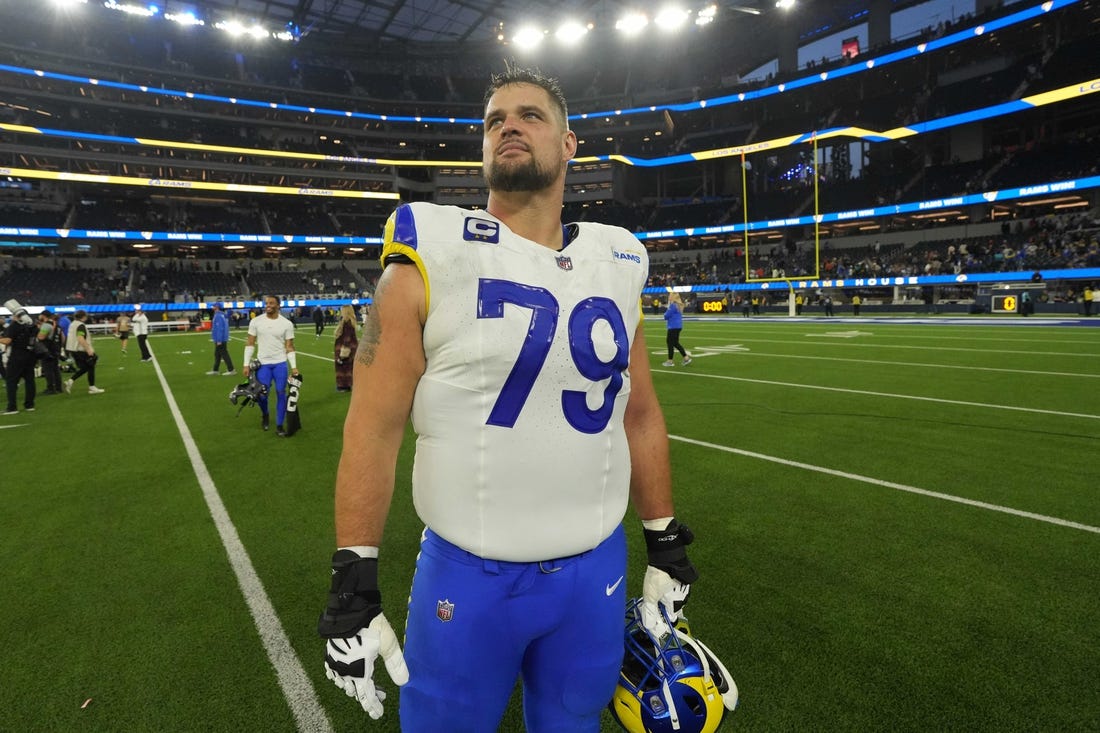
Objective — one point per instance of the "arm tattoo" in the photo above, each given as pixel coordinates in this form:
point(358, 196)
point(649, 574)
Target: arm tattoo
point(372, 329)
point(372, 334)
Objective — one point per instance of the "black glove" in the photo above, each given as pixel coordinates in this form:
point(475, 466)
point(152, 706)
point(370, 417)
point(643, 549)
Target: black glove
point(358, 633)
point(353, 598)
point(667, 551)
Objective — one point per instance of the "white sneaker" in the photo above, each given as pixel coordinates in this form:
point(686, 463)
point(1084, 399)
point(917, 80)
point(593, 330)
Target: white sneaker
point(95, 390)
point(68, 386)
point(668, 363)
point(687, 360)
point(230, 373)
point(211, 372)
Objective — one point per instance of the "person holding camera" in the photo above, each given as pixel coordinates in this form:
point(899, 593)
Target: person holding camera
point(19, 336)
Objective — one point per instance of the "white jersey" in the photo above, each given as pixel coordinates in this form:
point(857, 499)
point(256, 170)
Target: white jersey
point(271, 337)
point(140, 323)
point(521, 453)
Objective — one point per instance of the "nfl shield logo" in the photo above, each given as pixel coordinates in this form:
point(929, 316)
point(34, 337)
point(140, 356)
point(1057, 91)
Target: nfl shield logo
point(564, 263)
point(444, 610)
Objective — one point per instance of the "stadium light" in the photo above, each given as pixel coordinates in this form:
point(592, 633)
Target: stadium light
point(528, 38)
point(784, 4)
point(187, 18)
point(570, 33)
point(632, 23)
point(706, 15)
point(236, 29)
point(670, 18)
point(146, 11)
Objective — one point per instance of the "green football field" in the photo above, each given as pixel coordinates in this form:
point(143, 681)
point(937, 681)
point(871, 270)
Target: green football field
point(897, 522)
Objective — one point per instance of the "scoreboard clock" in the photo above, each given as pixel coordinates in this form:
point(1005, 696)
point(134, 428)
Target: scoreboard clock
point(712, 306)
point(1005, 303)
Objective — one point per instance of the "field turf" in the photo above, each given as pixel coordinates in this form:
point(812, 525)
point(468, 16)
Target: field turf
point(898, 528)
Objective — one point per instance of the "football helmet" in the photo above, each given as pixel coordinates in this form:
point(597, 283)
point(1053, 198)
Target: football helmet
point(248, 392)
point(672, 683)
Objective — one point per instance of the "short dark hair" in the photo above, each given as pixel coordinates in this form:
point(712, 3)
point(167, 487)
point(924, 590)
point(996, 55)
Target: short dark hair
point(514, 74)
point(80, 315)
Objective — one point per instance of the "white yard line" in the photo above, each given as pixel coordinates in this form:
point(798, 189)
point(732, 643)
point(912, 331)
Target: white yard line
point(749, 352)
point(295, 684)
point(987, 405)
point(891, 485)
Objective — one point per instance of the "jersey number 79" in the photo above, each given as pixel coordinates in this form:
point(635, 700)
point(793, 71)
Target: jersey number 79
point(492, 294)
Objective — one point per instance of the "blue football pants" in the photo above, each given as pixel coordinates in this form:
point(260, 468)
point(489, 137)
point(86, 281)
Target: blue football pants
point(278, 373)
point(475, 625)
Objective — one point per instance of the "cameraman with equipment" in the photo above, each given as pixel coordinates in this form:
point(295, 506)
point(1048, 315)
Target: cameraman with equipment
point(19, 336)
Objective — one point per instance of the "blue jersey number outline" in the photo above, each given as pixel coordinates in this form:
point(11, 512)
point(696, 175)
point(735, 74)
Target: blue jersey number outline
point(492, 294)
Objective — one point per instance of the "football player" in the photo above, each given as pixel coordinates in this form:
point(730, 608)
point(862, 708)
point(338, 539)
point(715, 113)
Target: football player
point(271, 339)
point(515, 344)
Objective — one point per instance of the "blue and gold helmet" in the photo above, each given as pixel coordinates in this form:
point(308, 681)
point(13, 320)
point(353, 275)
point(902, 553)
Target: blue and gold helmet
point(670, 681)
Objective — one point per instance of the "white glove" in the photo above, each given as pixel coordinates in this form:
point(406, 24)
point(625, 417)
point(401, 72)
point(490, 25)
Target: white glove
point(350, 663)
point(661, 590)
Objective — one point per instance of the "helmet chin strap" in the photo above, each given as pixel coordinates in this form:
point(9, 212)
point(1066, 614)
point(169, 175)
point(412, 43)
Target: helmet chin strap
point(673, 714)
point(706, 656)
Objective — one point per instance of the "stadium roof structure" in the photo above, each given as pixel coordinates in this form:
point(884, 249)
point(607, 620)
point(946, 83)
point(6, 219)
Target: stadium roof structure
point(473, 21)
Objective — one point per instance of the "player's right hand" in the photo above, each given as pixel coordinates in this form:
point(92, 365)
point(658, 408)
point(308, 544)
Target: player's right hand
point(357, 632)
point(349, 663)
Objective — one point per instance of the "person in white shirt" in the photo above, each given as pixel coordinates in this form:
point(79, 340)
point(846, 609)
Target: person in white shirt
point(271, 341)
point(140, 323)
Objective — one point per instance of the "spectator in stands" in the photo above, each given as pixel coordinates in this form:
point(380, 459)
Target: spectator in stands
point(140, 323)
point(344, 351)
point(52, 340)
point(219, 334)
point(674, 324)
point(271, 340)
point(79, 345)
point(19, 336)
point(318, 320)
point(122, 326)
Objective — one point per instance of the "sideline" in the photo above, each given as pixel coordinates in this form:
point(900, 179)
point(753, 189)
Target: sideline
point(891, 485)
point(295, 684)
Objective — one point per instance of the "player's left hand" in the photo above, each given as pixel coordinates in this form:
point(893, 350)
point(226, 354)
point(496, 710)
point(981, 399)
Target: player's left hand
point(669, 576)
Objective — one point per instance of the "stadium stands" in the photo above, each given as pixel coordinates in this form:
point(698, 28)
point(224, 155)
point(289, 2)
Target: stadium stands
point(1054, 143)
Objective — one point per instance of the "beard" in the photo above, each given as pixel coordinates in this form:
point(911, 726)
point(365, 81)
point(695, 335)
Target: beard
point(528, 176)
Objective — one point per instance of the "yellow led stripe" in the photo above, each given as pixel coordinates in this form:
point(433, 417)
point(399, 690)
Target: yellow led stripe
point(202, 147)
point(193, 185)
point(1036, 100)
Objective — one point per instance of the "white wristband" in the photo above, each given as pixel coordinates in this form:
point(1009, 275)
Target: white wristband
point(248, 351)
point(657, 525)
point(362, 550)
point(292, 359)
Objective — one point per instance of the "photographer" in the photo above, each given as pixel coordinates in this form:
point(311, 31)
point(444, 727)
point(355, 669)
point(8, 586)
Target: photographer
point(50, 341)
point(79, 346)
point(19, 336)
